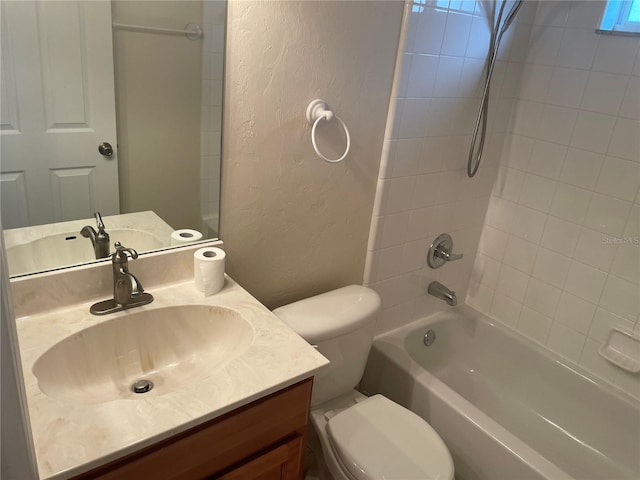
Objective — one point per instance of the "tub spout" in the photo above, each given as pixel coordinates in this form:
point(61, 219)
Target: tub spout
point(438, 290)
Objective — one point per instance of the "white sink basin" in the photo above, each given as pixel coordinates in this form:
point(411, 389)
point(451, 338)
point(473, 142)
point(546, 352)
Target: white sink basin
point(168, 346)
point(71, 248)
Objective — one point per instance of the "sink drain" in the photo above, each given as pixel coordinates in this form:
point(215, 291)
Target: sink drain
point(142, 386)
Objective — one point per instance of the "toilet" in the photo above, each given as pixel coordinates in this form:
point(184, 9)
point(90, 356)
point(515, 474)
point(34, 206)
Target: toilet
point(361, 438)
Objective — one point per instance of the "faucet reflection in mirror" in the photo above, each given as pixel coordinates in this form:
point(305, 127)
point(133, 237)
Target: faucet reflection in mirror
point(99, 239)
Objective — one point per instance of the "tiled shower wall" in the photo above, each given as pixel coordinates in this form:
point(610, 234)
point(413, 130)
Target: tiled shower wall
point(559, 254)
point(423, 189)
point(213, 19)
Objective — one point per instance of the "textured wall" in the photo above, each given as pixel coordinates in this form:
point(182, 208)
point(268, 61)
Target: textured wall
point(423, 188)
point(294, 225)
point(559, 259)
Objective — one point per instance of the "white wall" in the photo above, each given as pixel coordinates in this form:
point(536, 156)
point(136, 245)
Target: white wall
point(423, 189)
point(293, 224)
point(550, 263)
point(158, 87)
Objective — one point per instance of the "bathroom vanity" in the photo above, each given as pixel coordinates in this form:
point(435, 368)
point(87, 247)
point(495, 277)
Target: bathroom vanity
point(263, 440)
point(232, 382)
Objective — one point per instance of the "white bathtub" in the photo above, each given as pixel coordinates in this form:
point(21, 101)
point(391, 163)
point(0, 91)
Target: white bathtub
point(505, 407)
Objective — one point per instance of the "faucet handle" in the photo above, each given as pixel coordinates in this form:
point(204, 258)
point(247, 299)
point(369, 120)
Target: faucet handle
point(120, 255)
point(441, 251)
point(99, 221)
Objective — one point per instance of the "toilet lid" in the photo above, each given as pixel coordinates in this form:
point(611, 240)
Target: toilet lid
point(379, 439)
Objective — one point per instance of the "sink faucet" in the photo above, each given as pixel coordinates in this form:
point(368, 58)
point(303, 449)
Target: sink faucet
point(438, 290)
point(99, 239)
point(127, 289)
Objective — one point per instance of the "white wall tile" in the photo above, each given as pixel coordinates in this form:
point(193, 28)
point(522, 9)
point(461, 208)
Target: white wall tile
point(578, 48)
point(584, 281)
point(619, 178)
point(456, 34)
point(584, 14)
point(544, 44)
point(570, 203)
point(604, 92)
point(422, 76)
point(394, 228)
point(566, 342)
point(626, 262)
point(593, 131)
point(505, 309)
point(447, 82)
point(406, 156)
point(512, 283)
point(430, 31)
point(625, 142)
point(398, 197)
point(520, 254)
point(630, 107)
point(575, 312)
point(621, 297)
point(547, 159)
point(560, 236)
point(542, 297)
point(615, 54)
point(567, 86)
point(591, 251)
point(551, 267)
point(607, 214)
point(534, 325)
point(414, 116)
point(557, 124)
point(487, 271)
point(581, 168)
point(537, 192)
point(527, 223)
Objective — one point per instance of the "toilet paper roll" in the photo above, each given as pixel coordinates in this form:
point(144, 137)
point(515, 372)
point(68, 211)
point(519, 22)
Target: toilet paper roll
point(185, 235)
point(208, 270)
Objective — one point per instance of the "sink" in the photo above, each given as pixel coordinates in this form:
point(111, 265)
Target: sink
point(70, 248)
point(170, 347)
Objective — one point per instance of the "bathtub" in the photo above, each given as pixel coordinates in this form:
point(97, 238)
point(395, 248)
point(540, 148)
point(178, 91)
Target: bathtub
point(505, 407)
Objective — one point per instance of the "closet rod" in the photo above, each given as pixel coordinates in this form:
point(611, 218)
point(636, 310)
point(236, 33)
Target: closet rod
point(192, 30)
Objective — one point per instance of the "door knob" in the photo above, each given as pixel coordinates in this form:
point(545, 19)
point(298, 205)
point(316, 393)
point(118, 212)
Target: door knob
point(105, 149)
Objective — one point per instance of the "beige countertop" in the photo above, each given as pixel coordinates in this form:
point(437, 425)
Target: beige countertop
point(73, 436)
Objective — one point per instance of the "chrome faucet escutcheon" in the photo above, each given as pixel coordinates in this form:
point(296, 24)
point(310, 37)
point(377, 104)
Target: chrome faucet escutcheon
point(127, 289)
point(99, 239)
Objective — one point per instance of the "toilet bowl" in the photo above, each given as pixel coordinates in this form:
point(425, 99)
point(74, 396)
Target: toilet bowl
point(362, 438)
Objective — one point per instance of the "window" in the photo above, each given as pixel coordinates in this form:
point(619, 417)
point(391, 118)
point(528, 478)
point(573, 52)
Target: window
point(621, 16)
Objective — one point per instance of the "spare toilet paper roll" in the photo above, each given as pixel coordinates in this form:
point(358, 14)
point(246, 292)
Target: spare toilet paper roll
point(208, 270)
point(185, 235)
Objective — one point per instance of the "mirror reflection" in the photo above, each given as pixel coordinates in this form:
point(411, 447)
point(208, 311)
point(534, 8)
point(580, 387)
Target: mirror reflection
point(111, 120)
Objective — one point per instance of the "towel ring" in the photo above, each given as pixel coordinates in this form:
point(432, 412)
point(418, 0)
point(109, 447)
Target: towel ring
point(317, 111)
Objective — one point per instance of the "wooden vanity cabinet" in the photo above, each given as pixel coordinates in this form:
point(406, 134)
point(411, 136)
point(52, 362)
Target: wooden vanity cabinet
point(263, 440)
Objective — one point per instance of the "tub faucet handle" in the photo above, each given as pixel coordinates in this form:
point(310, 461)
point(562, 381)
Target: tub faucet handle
point(441, 251)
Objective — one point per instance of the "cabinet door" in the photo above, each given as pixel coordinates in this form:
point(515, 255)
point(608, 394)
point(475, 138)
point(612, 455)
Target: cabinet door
point(280, 463)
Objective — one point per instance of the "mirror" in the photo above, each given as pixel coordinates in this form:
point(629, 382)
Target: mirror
point(112, 107)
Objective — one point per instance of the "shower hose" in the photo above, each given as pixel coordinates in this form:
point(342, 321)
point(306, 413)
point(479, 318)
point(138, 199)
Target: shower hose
point(498, 30)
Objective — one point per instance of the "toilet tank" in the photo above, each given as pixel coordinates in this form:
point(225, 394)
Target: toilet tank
point(341, 324)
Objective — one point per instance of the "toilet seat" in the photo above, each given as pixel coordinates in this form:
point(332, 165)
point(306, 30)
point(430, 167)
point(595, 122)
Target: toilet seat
point(379, 439)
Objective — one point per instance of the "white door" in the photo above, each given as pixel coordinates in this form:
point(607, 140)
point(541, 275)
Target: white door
point(57, 105)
